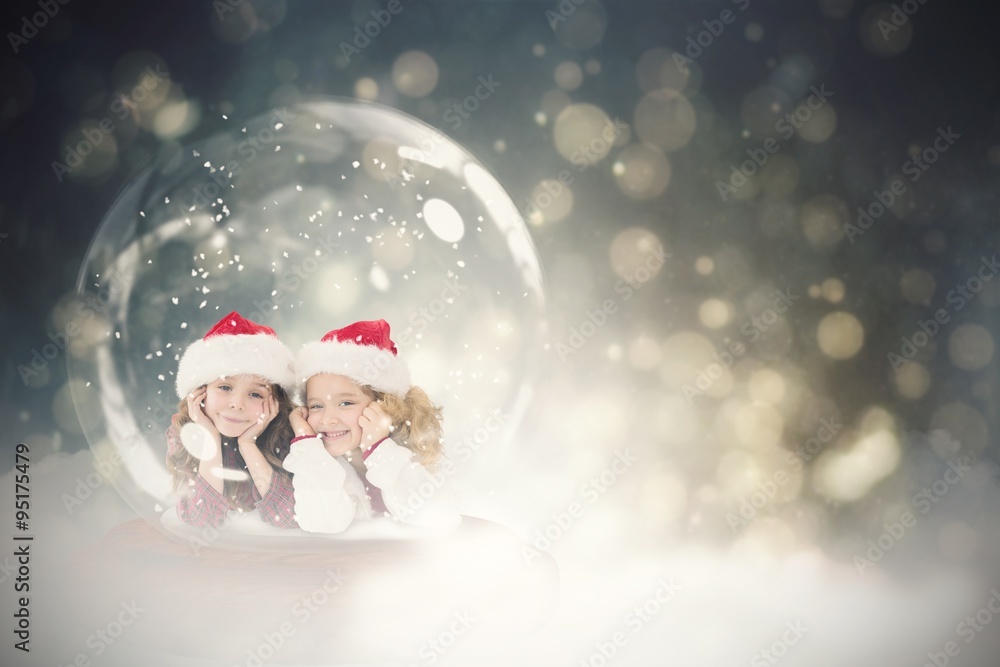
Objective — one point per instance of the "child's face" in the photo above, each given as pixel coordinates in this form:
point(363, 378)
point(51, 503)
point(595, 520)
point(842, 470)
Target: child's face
point(335, 403)
point(234, 403)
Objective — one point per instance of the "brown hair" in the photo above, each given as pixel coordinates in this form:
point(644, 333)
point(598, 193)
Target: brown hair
point(274, 443)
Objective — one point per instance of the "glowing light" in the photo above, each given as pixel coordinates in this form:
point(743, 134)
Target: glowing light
point(912, 380)
point(704, 265)
point(175, 119)
point(840, 335)
point(644, 171)
point(714, 313)
point(583, 133)
point(549, 207)
point(848, 475)
point(832, 290)
point(337, 288)
point(665, 118)
point(415, 74)
point(820, 126)
point(379, 278)
point(970, 347)
point(759, 426)
point(366, 88)
point(689, 359)
point(767, 386)
point(444, 220)
point(568, 75)
point(637, 254)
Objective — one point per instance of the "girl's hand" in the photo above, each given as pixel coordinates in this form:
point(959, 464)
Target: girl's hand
point(196, 410)
point(270, 411)
point(375, 425)
point(299, 421)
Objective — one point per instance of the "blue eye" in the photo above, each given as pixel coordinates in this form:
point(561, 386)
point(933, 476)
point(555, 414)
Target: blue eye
point(256, 395)
point(346, 404)
point(315, 406)
point(224, 387)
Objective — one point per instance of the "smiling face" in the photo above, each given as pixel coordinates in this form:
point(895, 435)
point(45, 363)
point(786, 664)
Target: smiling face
point(234, 403)
point(335, 403)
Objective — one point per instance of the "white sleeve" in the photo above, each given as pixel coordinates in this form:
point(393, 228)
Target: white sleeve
point(322, 505)
point(412, 493)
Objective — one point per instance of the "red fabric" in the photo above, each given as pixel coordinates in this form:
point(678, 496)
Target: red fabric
point(365, 455)
point(236, 324)
point(373, 333)
point(202, 505)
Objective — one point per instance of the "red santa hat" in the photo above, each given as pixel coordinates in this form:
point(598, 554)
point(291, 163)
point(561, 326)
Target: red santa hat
point(235, 346)
point(362, 352)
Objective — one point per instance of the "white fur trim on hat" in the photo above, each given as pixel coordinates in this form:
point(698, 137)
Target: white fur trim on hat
point(206, 360)
point(364, 364)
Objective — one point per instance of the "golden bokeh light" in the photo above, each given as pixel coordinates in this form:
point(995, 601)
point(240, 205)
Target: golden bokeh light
point(840, 335)
point(759, 426)
point(666, 119)
point(820, 125)
point(568, 75)
point(366, 88)
point(584, 134)
point(714, 313)
point(767, 386)
point(848, 474)
point(832, 290)
point(637, 254)
point(642, 171)
point(970, 347)
point(553, 202)
point(689, 359)
point(415, 74)
point(912, 380)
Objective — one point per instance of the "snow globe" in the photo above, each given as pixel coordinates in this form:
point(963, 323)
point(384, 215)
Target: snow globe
point(304, 219)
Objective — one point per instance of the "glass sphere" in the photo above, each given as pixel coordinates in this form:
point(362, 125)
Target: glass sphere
point(306, 219)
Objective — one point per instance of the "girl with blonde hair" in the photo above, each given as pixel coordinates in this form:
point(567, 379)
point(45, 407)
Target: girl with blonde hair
point(367, 442)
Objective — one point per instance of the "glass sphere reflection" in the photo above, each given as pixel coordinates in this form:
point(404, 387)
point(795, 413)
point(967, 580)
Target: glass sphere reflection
point(306, 219)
